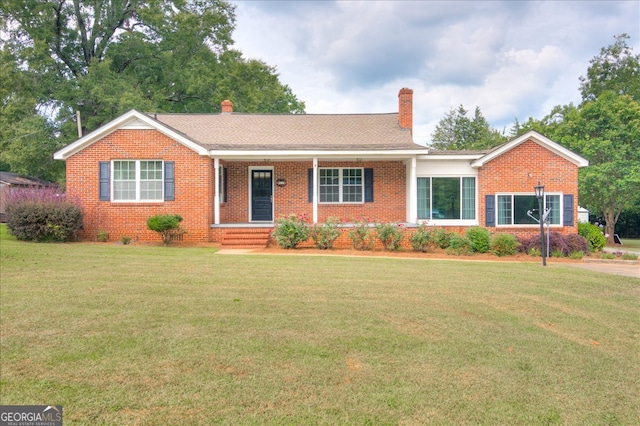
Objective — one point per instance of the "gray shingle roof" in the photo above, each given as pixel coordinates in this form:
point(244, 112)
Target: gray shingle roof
point(236, 131)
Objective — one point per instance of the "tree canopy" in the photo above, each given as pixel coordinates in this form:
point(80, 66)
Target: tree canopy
point(616, 69)
point(456, 131)
point(104, 58)
point(605, 129)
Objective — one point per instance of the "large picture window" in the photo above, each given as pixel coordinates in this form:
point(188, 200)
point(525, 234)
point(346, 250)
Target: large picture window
point(138, 180)
point(341, 185)
point(512, 209)
point(449, 198)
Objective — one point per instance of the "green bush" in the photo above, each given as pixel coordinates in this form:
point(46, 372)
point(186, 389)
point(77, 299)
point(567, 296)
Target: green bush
point(576, 255)
point(441, 237)
point(326, 234)
point(420, 239)
point(390, 235)
point(504, 245)
point(480, 239)
point(534, 252)
point(459, 245)
point(361, 235)
point(167, 225)
point(593, 234)
point(291, 231)
point(42, 215)
point(630, 256)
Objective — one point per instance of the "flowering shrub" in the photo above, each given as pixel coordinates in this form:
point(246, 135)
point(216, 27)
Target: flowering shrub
point(167, 225)
point(420, 239)
point(361, 235)
point(390, 235)
point(325, 235)
point(290, 231)
point(42, 214)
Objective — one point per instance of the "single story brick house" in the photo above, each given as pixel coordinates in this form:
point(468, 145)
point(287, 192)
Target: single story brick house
point(231, 175)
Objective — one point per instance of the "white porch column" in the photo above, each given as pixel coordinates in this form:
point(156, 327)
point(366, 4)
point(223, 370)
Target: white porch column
point(412, 195)
point(216, 191)
point(315, 190)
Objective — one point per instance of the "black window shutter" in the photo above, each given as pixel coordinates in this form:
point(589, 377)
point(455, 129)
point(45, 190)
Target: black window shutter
point(169, 181)
point(310, 184)
point(368, 185)
point(225, 180)
point(490, 210)
point(105, 178)
point(567, 210)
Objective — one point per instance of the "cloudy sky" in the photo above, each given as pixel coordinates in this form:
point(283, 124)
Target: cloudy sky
point(510, 58)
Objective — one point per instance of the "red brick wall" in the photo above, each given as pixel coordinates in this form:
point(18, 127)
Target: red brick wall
point(519, 170)
point(193, 187)
point(388, 181)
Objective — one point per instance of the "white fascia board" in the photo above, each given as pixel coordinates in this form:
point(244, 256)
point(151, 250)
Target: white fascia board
point(308, 154)
point(540, 140)
point(142, 121)
point(449, 157)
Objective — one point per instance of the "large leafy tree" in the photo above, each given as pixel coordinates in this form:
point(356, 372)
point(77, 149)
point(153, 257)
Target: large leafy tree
point(606, 131)
point(615, 69)
point(102, 58)
point(457, 131)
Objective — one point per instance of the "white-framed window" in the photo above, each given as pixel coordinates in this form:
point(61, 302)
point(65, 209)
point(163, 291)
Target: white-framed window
point(512, 209)
point(446, 198)
point(341, 185)
point(137, 180)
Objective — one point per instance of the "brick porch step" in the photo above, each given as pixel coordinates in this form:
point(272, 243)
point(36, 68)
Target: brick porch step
point(246, 238)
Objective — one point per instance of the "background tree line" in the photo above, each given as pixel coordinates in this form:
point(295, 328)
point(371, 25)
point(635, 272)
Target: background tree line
point(103, 58)
point(604, 128)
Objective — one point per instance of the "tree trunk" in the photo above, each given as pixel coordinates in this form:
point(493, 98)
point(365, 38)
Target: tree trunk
point(609, 229)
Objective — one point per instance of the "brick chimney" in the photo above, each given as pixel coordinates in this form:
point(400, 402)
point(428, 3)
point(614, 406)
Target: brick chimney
point(405, 109)
point(227, 106)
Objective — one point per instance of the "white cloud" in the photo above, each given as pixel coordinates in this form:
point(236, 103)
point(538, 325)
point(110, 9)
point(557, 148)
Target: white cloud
point(512, 59)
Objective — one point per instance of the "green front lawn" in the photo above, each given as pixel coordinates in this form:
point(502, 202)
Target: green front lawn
point(157, 336)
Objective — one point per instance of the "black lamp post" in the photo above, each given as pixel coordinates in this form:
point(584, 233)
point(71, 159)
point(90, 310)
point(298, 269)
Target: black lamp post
point(540, 196)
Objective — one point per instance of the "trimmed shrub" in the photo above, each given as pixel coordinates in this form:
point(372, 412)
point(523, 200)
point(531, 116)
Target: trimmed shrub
point(504, 245)
point(558, 244)
point(41, 214)
point(593, 234)
point(480, 239)
point(361, 235)
point(459, 246)
point(291, 231)
point(630, 256)
point(167, 225)
point(326, 234)
point(390, 235)
point(441, 237)
point(576, 243)
point(420, 239)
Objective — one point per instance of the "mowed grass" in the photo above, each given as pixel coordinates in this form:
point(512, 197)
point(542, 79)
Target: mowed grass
point(184, 336)
point(630, 243)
